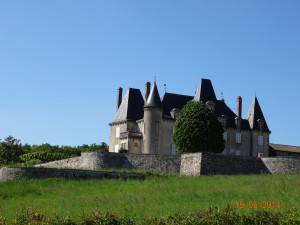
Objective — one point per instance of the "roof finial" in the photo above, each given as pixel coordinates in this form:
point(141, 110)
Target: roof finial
point(155, 78)
point(165, 86)
point(222, 96)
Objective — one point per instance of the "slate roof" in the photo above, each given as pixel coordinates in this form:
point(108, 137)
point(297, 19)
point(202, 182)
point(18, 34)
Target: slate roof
point(221, 109)
point(171, 101)
point(205, 92)
point(254, 114)
point(131, 107)
point(153, 99)
point(285, 148)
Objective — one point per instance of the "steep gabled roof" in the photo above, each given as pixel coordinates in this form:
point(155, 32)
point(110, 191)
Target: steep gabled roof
point(131, 107)
point(153, 99)
point(171, 101)
point(205, 92)
point(255, 113)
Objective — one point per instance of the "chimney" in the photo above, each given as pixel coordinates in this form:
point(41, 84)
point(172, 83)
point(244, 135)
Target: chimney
point(239, 106)
point(119, 97)
point(147, 90)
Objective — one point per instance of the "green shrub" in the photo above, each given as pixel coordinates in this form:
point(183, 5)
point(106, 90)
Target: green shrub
point(42, 156)
point(197, 129)
point(123, 150)
point(211, 216)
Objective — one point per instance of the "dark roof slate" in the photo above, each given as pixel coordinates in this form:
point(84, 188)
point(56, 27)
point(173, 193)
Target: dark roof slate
point(131, 107)
point(255, 113)
point(171, 101)
point(153, 99)
point(205, 92)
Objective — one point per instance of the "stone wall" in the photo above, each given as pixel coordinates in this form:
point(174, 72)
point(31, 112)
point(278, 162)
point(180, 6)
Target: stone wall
point(223, 164)
point(38, 173)
point(282, 165)
point(191, 164)
point(94, 160)
point(188, 164)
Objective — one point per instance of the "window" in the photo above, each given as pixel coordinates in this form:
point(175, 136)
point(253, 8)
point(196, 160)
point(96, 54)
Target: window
point(124, 146)
point(260, 155)
point(116, 148)
point(156, 146)
point(144, 127)
point(238, 138)
point(117, 132)
point(260, 140)
point(157, 126)
point(237, 152)
point(225, 136)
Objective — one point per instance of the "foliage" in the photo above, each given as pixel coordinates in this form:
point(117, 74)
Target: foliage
point(123, 150)
point(10, 150)
point(197, 129)
point(94, 147)
point(43, 156)
point(214, 216)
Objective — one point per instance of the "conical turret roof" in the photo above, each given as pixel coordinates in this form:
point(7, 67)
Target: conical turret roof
point(254, 114)
point(153, 99)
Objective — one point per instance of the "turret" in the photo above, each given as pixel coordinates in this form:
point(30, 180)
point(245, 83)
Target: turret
point(152, 122)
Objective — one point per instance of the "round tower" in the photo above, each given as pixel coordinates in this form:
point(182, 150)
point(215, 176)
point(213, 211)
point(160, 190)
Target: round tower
point(152, 122)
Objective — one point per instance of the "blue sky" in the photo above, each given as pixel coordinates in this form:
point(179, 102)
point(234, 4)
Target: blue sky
point(61, 61)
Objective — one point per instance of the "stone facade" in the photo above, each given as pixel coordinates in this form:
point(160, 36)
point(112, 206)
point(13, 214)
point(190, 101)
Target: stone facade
point(94, 160)
point(41, 173)
point(194, 164)
point(282, 165)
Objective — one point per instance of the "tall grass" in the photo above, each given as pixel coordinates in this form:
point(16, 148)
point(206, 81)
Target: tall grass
point(156, 196)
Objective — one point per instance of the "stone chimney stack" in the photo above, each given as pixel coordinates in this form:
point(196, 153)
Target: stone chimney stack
point(119, 97)
point(239, 106)
point(147, 90)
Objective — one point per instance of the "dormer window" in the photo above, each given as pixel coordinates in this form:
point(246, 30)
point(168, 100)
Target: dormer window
point(238, 122)
point(175, 113)
point(224, 120)
point(261, 124)
point(211, 105)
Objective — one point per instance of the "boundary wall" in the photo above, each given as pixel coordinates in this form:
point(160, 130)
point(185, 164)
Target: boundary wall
point(194, 164)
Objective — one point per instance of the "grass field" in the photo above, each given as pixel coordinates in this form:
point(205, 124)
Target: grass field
point(155, 196)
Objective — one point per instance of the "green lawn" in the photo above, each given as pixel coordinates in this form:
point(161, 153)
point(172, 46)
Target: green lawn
point(155, 196)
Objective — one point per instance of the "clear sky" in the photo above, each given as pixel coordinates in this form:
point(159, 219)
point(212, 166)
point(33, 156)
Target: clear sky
point(61, 61)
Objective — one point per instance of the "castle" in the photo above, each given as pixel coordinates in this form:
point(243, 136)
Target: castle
point(144, 125)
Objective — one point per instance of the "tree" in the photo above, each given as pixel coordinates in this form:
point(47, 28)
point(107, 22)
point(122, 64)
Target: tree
point(197, 129)
point(10, 150)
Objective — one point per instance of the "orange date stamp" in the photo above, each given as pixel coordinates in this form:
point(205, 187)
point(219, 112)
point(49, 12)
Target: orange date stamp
point(253, 204)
